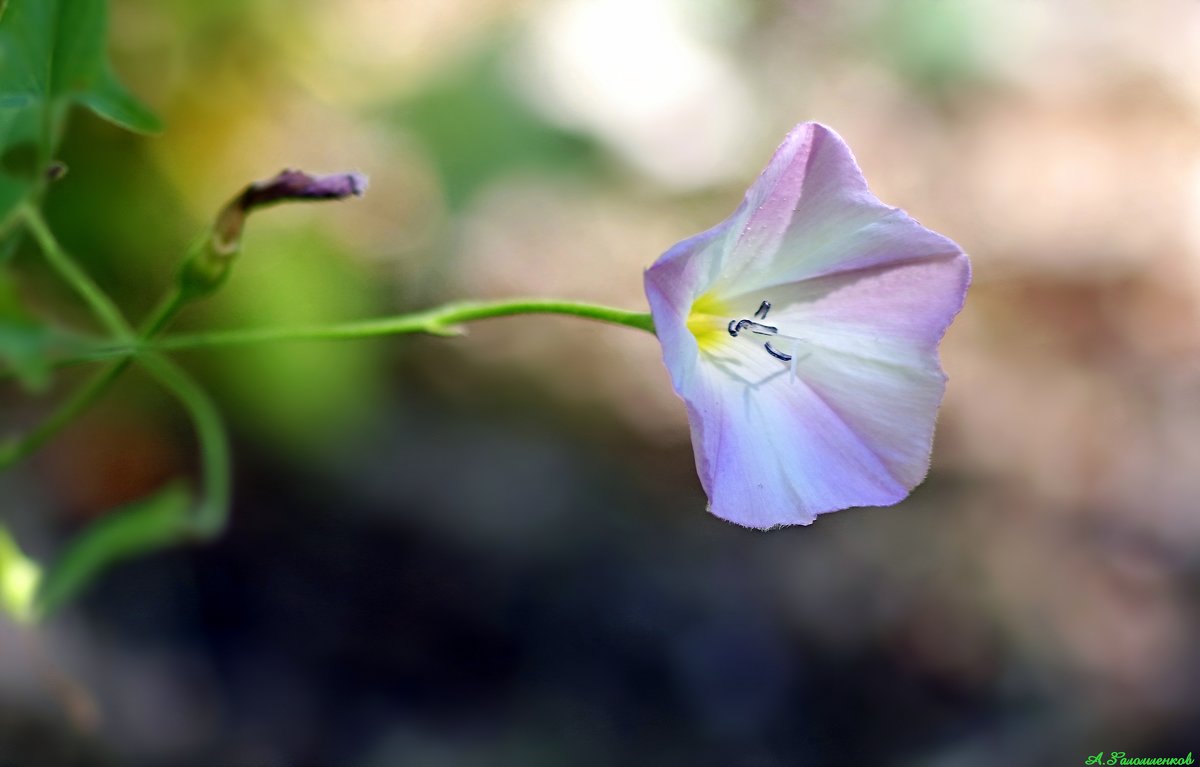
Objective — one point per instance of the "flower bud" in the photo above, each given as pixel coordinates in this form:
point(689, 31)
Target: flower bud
point(207, 264)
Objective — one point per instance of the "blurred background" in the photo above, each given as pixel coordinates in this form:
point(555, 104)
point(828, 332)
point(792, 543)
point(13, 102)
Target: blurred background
point(494, 550)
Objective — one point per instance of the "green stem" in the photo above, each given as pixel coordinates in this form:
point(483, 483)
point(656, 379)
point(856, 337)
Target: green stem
point(162, 314)
point(107, 312)
point(84, 397)
point(18, 449)
point(166, 518)
point(209, 517)
point(441, 321)
point(101, 351)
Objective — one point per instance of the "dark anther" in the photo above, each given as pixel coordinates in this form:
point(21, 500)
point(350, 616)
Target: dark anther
point(738, 326)
point(776, 353)
point(763, 308)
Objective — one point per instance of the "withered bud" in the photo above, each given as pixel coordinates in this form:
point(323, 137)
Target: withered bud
point(208, 264)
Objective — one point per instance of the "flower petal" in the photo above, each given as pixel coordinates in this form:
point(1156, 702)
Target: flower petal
point(672, 284)
point(691, 267)
point(810, 214)
point(896, 312)
point(771, 450)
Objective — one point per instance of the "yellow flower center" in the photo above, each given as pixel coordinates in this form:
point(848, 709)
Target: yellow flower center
point(709, 322)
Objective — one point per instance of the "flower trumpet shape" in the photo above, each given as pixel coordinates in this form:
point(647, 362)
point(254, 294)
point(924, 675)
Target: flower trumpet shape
point(802, 334)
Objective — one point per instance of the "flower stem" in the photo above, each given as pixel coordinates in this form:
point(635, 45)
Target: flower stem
point(440, 321)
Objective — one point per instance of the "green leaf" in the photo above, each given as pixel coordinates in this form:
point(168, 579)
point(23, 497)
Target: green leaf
point(20, 577)
point(52, 54)
point(51, 48)
point(20, 129)
point(147, 525)
point(110, 100)
point(27, 34)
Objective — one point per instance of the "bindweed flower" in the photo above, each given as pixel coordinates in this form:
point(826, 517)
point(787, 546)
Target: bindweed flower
point(802, 334)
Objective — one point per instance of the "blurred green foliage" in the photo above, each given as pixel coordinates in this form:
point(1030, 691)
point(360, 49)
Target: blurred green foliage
point(936, 45)
point(476, 128)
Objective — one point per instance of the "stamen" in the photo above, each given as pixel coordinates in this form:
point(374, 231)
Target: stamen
point(755, 327)
point(776, 353)
point(760, 329)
